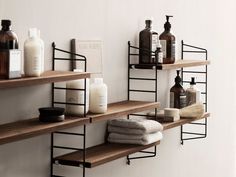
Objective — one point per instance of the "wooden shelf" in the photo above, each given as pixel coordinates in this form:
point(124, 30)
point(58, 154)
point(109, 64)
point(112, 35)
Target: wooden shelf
point(183, 121)
point(11, 132)
point(47, 77)
point(100, 154)
point(178, 64)
point(123, 108)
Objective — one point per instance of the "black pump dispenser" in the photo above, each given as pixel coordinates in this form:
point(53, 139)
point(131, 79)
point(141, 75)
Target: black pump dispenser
point(178, 78)
point(167, 25)
point(192, 81)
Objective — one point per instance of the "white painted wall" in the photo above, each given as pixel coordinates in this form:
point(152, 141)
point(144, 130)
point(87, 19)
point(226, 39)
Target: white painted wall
point(210, 24)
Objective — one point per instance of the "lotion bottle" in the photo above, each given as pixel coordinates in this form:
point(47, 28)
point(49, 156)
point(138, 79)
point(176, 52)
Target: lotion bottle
point(167, 40)
point(33, 54)
point(193, 93)
point(77, 96)
point(98, 96)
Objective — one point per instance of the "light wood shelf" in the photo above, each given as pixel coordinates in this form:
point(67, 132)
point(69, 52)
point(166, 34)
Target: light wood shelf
point(178, 64)
point(15, 131)
point(183, 121)
point(123, 108)
point(100, 154)
point(46, 77)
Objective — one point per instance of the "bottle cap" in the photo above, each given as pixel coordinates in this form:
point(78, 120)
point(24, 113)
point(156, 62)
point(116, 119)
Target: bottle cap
point(167, 25)
point(192, 81)
point(98, 80)
point(178, 78)
point(6, 22)
point(33, 32)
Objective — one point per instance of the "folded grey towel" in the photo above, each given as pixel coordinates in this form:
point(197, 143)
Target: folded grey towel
point(135, 139)
point(134, 126)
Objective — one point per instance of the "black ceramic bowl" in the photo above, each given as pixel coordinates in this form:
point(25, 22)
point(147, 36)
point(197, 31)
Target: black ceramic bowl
point(51, 111)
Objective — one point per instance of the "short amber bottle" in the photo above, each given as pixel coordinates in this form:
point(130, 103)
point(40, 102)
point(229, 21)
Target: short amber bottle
point(8, 40)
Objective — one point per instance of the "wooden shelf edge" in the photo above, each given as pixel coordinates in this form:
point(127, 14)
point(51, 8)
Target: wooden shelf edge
point(100, 154)
point(24, 129)
point(123, 108)
point(47, 77)
point(183, 121)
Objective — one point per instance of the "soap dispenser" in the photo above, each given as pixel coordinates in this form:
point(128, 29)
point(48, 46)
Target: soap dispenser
point(177, 94)
point(167, 40)
point(148, 39)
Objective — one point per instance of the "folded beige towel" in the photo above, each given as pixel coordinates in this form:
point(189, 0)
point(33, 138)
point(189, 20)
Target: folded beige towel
point(134, 126)
point(135, 139)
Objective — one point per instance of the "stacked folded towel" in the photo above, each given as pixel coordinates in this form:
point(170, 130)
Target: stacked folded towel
point(134, 131)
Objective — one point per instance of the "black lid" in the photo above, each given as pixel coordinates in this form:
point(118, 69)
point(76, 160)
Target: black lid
point(167, 25)
point(6, 22)
point(192, 81)
point(51, 111)
point(178, 78)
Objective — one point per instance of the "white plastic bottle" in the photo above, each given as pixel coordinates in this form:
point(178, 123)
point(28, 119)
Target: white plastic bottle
point(77, 96)
point(193, 93)
point(33, 54)
point(98, 96)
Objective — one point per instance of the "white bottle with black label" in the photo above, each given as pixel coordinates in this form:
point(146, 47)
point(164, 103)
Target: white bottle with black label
point(77, 96)
point(98, 96)
point(33, 54)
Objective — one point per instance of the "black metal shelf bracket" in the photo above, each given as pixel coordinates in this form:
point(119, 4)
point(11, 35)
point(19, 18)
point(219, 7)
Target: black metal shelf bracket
point(153, 80)
point(186, 48)
point(73, 58)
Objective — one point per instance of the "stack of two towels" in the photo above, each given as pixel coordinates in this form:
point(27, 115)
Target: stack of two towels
point(134, 131)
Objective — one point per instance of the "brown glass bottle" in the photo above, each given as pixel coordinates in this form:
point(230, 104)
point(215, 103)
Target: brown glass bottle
point(8, 40)
point(147, 42)
point(177, 94)
point(168, 43)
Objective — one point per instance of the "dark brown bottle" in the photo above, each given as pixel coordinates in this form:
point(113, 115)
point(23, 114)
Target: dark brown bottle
point(177, 94)
point(168, 43)
point(148, 42)
point(8, 40)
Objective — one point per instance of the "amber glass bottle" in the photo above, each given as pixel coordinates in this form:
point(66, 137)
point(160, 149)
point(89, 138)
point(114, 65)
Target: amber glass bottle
point(177, 94)
point(148, 41)
point(8, 40)
point(168, 43)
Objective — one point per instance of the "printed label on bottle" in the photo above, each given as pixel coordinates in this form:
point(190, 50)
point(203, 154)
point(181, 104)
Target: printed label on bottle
point(172, 99)
point(154, 42)
point(15, 60)
point(182, 101)
point(160, 57)
point(172, 49)
point(163, 47)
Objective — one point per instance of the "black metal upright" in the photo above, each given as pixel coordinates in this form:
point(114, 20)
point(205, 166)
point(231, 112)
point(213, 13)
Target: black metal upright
point(154, 79)
point(83, 149)
point(186, 48)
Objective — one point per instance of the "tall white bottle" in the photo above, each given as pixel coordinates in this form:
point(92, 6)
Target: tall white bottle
point(33, 54)
point(77, 96)
point(98, 96)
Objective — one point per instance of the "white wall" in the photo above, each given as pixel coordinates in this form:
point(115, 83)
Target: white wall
point(210, 24)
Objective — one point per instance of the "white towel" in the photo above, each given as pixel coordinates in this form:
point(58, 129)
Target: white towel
point(134, 126)
point(135, 139)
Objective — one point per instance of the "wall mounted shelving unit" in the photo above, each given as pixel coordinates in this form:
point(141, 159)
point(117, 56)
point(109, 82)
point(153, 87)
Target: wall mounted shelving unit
point(84, 157)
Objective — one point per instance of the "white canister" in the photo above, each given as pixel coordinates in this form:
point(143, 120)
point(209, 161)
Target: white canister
point(33, 54)
point(77, 96)
point(98, 96)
